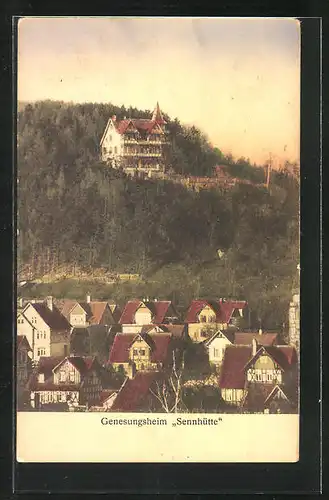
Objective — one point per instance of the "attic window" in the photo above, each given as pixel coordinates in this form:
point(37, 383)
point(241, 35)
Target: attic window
point(41, 378)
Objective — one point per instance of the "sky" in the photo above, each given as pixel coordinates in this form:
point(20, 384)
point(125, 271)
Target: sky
point(237, 79)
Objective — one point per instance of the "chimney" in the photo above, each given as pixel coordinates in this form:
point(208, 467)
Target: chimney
point(260, 331)
point(114, 117)
point(254, 346)
point(49, 301)
point(88, 298)
point(20, 302)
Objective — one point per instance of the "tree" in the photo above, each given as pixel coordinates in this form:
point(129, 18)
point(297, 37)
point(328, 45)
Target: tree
point(169, 390)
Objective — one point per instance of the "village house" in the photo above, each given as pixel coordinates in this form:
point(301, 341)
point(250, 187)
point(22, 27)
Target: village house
point(137, 314)
point(216, 346)
point(23, 369)
point(136, 145)
point(205, 317)
point(83, 314)
point(145, 352)
point(46, 329)
point(65, 383)
point(245, 367)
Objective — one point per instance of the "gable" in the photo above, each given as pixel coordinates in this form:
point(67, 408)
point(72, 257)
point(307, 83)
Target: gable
point(140, 343)
point(32, 315)
point(78, 310)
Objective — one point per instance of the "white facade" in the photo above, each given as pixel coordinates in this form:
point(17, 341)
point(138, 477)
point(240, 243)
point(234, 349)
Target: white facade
point(111, 144)
point(216, 348)
point(43, 340)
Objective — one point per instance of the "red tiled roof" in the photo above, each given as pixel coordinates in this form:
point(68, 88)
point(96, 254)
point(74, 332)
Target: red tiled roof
point(128, 313)
point(228, 307)
point(53, 318)
point(245, 338)
point(222, 309)
point(158, 342)
point(143, 124)
point(158, 309)
point(284, 355)
point(233, 369)
point(134, 391)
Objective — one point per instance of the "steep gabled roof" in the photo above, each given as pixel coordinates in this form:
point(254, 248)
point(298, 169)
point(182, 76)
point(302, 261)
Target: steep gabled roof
point(197, 306)
point(158, 309)
point(53, 318)
point(158, 342)
point(245, 338)
point(222, 308)
point(157, 115)
point(134, 391)
point(233, 374)
point(285, 356)
point(82, 363)
point(229, 335)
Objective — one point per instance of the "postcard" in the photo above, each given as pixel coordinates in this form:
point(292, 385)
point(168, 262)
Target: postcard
point(158, 239)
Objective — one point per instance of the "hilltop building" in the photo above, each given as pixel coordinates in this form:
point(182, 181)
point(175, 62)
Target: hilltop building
point(137, 145)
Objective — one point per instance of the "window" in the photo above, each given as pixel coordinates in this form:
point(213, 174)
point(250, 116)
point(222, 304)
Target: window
point(135, 352)
point(41, 351)
point(62, 376)
point(37, 335)
point(216, 353)
point(203, 319)
point(142, 352)
point(72, 376)
point(269, 376)
point(258, 375)
point(110, 138)
point(115, 150)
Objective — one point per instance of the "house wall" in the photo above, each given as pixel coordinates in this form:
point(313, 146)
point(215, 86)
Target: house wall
point(112, 144)
point(143, 316)
point(25, 328)
point(41, 342)
point(43, 398)
point(233, 396)
point(66, 373)
point(216, 350)
point(78, 316)
point(264, 370)
point(131, 328)
point(207, 315)
point(201, 331)
point(91, 388)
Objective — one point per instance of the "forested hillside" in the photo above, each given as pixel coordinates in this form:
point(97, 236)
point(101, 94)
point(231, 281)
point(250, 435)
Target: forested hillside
point(94, 216)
